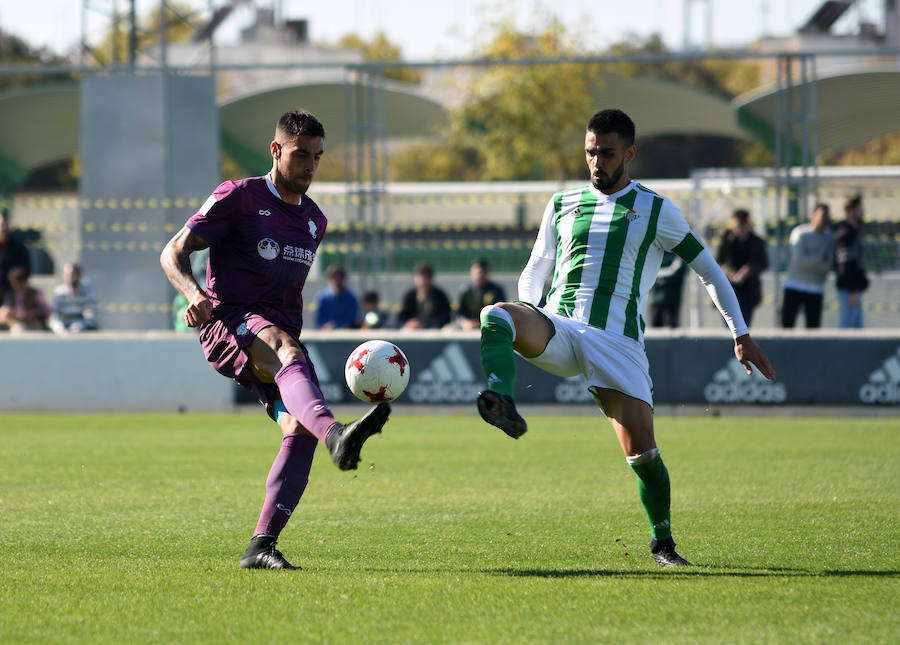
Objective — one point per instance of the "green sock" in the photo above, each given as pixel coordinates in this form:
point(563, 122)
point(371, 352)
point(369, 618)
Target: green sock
point(653, 489)
point(497, 358)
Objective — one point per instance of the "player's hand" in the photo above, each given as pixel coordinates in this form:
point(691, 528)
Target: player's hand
point(748, 352)
point(198, 311)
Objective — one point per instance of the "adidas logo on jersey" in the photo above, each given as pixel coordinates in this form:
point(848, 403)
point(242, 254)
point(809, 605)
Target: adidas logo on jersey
point(448, 378)
point(732, 384)
point(883, 385)
point(332, 390)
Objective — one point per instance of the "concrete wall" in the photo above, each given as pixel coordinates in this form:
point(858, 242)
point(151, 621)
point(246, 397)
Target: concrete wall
point(148, 145)
point(162, 371)
point(108, 372)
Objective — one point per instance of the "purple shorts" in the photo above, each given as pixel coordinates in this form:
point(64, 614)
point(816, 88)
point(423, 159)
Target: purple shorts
point(225, 339)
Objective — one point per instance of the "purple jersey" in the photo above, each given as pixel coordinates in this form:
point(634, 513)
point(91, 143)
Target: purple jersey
point(260, 249)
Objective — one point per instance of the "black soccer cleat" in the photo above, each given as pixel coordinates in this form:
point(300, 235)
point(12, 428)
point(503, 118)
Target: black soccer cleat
point(500, 410)
point(664, 553)
point(345, 441)
point(262, 554)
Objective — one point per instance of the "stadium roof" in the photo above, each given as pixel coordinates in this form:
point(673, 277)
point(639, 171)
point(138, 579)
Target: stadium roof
point(662, 107)
point(40, 126)
point(42, 122)
point(850, 109)
point(247, 124)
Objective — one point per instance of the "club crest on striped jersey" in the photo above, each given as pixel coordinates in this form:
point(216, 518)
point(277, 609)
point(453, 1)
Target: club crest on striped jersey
point(631, 215)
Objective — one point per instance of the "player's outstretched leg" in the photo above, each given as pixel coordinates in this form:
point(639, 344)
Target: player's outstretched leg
point(498, 362)
point(345, 441)
point(500, 410)
point(262, 554)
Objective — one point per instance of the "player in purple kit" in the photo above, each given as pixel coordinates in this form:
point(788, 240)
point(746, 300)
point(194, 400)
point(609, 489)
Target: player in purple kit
point(262, 234)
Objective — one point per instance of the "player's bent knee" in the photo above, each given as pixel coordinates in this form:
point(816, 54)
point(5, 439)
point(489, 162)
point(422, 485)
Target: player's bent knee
point(499, 315)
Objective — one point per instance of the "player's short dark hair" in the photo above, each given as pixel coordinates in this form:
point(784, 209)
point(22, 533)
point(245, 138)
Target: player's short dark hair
point(822, 206)
point(852, 201)
point(612, 120)
point(425, 268)
point(482, 264)
point(370, 297)
point(742, 215)
point(299, 122)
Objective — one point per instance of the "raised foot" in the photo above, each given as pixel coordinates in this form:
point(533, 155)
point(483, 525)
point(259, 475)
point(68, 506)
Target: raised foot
point(345, 441)
point(500, 410)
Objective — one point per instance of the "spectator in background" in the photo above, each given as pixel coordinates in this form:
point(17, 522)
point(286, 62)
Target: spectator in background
point(373, 316)
point(849, 264)
point(336, 306)
point(480, 293)
point(812, 250)
point(425, 306)
point(665, 299)
point(742, 256)
point(74, 305)
point(24, 307)
point(13, 253)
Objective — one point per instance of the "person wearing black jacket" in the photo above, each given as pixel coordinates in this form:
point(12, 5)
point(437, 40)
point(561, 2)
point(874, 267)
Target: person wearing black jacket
point(849, 264)
point(13, 253)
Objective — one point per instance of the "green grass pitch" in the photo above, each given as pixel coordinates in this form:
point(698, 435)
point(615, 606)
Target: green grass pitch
point(128, 529)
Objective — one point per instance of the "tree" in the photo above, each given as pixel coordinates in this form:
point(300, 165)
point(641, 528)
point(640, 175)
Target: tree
point(525, 122)
point(880, 151)
point(380, 49)
point(516, 121)
point(15, 52)
point(113, 48)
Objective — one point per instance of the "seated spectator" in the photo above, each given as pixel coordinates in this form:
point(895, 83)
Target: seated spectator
point(13, 253)
point(425, 306)
point(24, 307)
point(480, 293)
point(74, 305)
point(373, 316)
point(336, 306)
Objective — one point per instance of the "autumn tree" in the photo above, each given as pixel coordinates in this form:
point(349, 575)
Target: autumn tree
point(515, 120)
point(113, 48)
point(381, 50)
point(15, 52)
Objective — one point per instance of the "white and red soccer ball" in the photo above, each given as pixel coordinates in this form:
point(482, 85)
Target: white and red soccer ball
point(377, 371)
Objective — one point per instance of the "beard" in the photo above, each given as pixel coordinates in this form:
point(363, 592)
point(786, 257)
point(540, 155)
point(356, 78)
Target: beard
point(297, 185)
point(601, 185)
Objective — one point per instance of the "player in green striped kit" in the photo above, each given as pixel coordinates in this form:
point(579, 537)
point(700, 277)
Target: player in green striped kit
point(604, 244)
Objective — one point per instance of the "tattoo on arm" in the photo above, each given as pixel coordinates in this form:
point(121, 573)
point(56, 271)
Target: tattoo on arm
point(176, 262)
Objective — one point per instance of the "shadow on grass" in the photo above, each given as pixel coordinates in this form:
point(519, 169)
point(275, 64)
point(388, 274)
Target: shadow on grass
point(694, 571)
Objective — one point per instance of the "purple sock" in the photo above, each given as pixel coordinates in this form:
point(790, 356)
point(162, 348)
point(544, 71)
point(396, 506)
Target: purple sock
point(303, 399)
point(286, 483)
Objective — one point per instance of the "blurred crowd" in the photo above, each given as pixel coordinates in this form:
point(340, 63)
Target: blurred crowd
point(817, 248)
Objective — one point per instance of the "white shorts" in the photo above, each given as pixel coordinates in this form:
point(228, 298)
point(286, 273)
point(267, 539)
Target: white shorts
point(605, 359)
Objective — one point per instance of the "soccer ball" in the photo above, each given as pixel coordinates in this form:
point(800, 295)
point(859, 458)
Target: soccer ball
point(377, 371)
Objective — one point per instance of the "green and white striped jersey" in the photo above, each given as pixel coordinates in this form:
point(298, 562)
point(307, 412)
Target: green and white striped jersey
point(607, 251)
